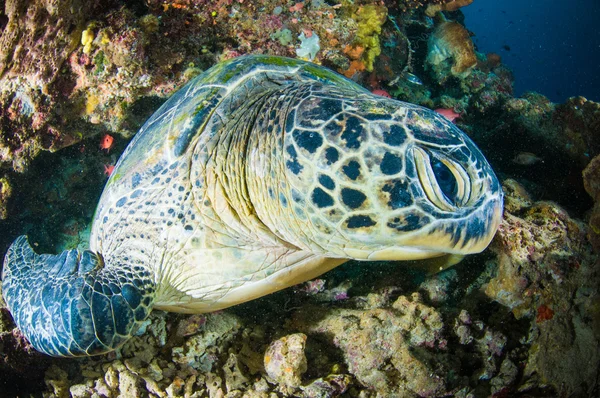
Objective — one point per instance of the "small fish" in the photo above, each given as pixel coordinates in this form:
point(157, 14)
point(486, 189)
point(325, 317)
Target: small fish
point(526, 159)
point(448, 113)
point(413, 78)
point(506, 47)
point(108, 169)
point(382, 93)
point(106, 142)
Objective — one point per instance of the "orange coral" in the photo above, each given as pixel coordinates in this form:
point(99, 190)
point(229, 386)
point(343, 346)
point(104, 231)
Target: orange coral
point(452, 40)
point(544, 313)
point(354, 52)
point(454, 5)
point(355, 67)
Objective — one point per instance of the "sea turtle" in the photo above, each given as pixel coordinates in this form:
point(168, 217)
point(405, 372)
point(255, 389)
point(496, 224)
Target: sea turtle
point(260, 173)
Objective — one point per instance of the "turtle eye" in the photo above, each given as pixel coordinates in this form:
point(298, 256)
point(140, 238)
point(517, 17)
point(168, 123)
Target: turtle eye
point(445, 179)
point(445, 183)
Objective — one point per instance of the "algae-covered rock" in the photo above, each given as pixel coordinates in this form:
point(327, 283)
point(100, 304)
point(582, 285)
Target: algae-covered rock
point(388, 350)
point(285, 361)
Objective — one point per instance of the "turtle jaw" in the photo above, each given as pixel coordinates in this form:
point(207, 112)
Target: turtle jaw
point(469, 237)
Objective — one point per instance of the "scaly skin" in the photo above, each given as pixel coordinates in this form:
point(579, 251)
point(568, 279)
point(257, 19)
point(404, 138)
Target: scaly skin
point(260, 173)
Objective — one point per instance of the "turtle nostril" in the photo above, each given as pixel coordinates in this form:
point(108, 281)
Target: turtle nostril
point(445, 179)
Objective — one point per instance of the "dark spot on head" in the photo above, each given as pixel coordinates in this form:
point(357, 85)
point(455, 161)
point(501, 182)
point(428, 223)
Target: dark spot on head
point(359, 222)
point(377, 116)
point(315, 108)
point(283, 199)
point(332, 128)
point(300, 213)
point(321, 198)
point(289, 121)
point(395, 137)
point(353, 198)
point(297, 196)
point(410, 222)
point(399, 196)
point(292, 164)
point(332, 155)
point(309, 140)
point(390, 164)
point(121, 202)
point(135, 180)
point(352, 170)
point(352, 132)
point(326, 181)
point(188, 227)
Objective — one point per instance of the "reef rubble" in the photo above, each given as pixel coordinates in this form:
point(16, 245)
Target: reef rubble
point(522, 318)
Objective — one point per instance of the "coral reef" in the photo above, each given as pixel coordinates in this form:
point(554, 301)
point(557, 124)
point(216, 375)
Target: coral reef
point(591, 181)
point(547, 273)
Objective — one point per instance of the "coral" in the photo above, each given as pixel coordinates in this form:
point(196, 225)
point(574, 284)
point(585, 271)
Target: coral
point(546, 273)
point(591, 182)
point(309, 46)
point(37, 38)
point(387, 349)
point(516, 197)
point(537, 246)
point(452, 5)
point(579, 121)
point(285, 361)
point(487, 342)
point(451, 51)
point(284, 36)
point(330, 386)
point(369, 18)
point(5, 194)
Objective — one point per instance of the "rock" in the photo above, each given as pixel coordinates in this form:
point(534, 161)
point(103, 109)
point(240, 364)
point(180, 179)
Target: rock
point(389, 350)
point(285, 361)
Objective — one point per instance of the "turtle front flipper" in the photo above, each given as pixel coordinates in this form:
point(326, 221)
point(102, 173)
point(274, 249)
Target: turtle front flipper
point(71, 304)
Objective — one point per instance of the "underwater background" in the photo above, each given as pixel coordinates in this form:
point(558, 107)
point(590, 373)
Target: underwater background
point(552, 47)
point(78, 79)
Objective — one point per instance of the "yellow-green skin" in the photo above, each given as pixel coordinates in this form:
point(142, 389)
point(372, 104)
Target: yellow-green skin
point(261, 173)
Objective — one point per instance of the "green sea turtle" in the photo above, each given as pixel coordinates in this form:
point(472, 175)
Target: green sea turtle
point(260, 173)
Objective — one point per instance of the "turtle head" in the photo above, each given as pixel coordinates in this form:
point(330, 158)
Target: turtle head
point(379, 179)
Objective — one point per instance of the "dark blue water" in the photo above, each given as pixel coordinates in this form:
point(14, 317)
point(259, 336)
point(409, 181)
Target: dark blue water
point(553, 46)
